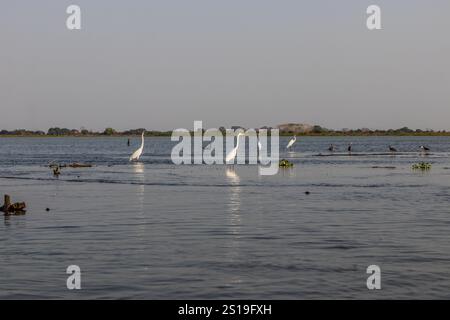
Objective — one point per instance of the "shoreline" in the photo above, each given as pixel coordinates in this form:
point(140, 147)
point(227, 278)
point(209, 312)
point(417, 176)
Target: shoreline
point(447, 134)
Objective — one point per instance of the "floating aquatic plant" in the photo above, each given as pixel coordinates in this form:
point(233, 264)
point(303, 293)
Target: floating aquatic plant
point(285, 164)
point(421, 166)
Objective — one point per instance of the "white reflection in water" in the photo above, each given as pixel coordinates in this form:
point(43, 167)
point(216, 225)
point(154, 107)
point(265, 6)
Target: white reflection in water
point(139, 169)
point(234, 201)
point(139, 173)
point(234, 221)
point(288, 172)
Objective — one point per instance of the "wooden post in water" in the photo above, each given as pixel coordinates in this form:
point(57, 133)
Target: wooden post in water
point(7, 201)
point(6, 204)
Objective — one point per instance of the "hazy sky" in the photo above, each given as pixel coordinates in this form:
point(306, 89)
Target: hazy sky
point(163, 64)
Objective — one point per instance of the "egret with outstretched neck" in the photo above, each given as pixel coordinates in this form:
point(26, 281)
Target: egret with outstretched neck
point(232, 154)
point(136, 155)
point(291, 142)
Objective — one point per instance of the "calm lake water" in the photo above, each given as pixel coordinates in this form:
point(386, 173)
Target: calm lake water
point(154, 230)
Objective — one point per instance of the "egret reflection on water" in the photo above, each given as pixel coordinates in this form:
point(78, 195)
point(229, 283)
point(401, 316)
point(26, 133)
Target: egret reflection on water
point(234, 225)
point(232, 176)
point(138, 169)
point(234, 201)
point(139, 173)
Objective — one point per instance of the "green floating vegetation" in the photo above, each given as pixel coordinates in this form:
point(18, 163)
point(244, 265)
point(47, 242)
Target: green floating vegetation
point(285, 164)
point(421, 166)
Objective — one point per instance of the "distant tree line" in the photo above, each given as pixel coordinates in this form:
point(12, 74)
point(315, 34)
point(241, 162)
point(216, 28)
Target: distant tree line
point(314, 131)
point(405, 131)
point(56, 131)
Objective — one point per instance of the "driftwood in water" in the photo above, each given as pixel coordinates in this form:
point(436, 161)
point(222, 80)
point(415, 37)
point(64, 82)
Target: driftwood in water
point(71, 165)
point(79, 165)
point(12, 208)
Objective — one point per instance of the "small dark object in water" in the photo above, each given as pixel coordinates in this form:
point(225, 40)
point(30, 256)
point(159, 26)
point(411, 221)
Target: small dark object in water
point(47, 209)
point(307, 192)
point(128, 142)
point(17, 208)
point(392, 149)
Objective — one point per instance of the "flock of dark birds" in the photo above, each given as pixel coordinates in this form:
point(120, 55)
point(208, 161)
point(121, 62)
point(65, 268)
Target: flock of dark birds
point(332, 148)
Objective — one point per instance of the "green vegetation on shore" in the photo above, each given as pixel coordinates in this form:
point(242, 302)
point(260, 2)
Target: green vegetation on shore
point(64, 132)
point(320, 131)
point(284, 131)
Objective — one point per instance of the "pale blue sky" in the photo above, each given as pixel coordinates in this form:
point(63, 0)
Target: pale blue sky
point(163, 64)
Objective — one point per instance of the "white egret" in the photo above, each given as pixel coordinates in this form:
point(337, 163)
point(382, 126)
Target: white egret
point(232, 154)
point(259, 150)
point(291, 142)
point(135, 156)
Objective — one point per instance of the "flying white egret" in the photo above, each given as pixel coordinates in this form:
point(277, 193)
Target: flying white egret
point(232, 154)
point(291, 142)
point(135, 156)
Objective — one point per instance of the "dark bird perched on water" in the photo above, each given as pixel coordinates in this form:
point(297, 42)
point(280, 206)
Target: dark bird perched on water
point(128, 142)
point(331, 148)
point(349, 147)
point(424, 148)
point(56, 171)
point(392, 149)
